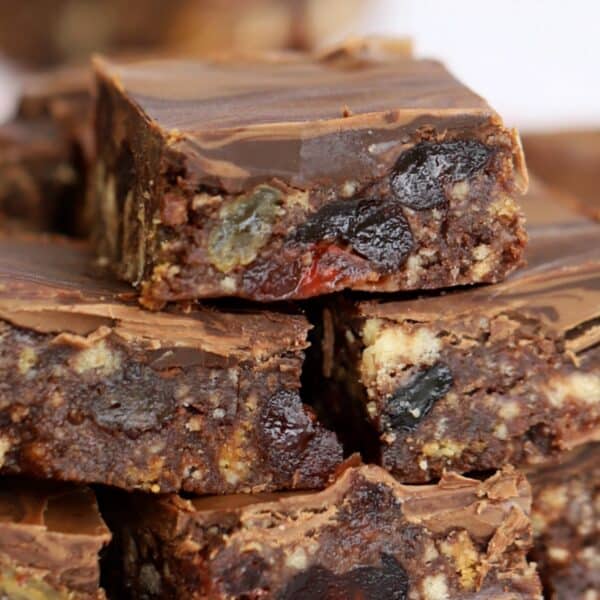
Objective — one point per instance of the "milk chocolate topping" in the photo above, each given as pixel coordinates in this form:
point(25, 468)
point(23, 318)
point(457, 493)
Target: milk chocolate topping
point(455, 501)
point(52, 527)
point(286, 91)
point(51, 285)
point(296, 118)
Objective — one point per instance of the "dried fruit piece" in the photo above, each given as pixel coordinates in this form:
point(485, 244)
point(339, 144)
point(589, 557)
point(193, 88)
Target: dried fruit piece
point(288, 431)
point(387, 582)
point(329, 265)
point(374, 229)
point(381, 234)
point(141, 412)
point(244, 228)
point(420, 174)
point(329, 223)
point(411, 403)
point(268, 278)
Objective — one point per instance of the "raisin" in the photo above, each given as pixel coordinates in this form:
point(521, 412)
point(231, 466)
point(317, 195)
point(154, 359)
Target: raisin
point(331, 222)
point(286, 429)
point(374, 229)
point(144, 409)
point(274, 276)
point(381, 234)
point(411, 403)
point(293, 445)
point(244, 228)
point(420, 174)
point(387, 582)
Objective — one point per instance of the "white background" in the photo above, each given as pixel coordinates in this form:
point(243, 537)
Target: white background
point(536, 61)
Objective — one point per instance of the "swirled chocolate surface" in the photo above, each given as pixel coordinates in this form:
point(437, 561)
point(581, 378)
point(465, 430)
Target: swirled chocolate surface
point(52, 528)
point(295, 117)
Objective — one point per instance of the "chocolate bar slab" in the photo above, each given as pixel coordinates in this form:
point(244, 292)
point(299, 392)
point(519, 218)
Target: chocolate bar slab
point(474, 379)
point(95, 389)
point(570, 160)
point(365, 537)
point(290, 177)
point(37, 177)
point(50, 537)
point(566, 524)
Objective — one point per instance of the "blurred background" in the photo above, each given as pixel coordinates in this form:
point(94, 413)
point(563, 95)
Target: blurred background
point(535, 61)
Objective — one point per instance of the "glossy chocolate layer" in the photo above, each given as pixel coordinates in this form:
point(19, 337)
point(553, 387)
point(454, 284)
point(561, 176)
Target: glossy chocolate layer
point(366, 536)
point(297, 120)
point(51, 285)
point(50, 537)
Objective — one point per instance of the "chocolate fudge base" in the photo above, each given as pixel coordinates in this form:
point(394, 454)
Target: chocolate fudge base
point(301, 196)
point(50, 538)
point(566, 524)
point(366, 536)
point(95, 389)
point(39, 183)
point(473, 379)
